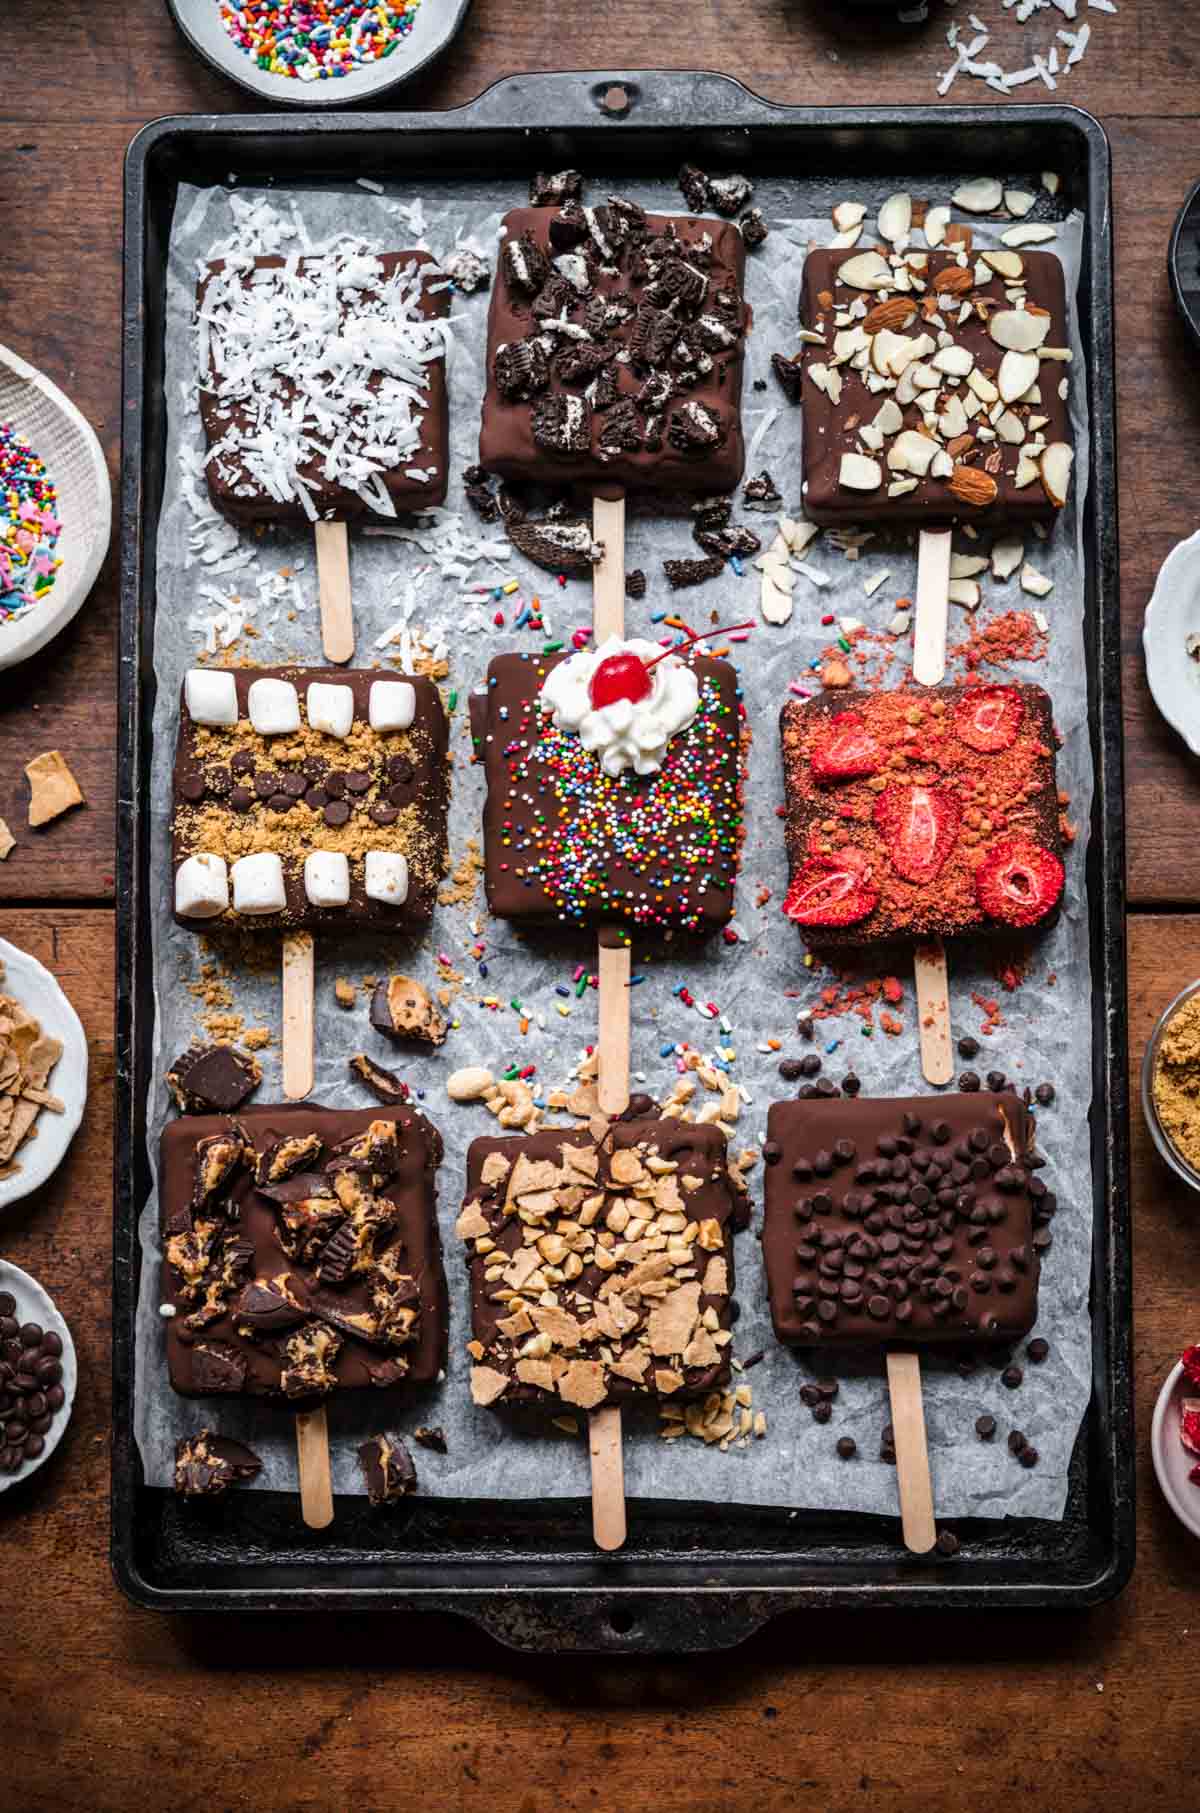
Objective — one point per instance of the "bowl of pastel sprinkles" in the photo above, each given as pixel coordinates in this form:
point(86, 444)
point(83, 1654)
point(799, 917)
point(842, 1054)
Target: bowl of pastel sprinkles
point(319, 53)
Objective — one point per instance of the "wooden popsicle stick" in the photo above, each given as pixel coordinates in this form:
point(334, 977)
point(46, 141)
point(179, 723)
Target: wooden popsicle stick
point(612, 1077)
point(312, 1454)
point(912, 1452)
point(933, 1011)
point(298, 1016)
point(933, 604)
point(333, 583)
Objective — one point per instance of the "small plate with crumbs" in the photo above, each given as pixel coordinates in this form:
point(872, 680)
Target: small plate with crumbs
point(1171, 641)
point(43, 1074)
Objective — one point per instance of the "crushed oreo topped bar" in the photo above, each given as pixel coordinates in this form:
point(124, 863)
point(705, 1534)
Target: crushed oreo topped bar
point(921, 812)
point(901, 1220)
point(301, 1252)
point(601, 1267)
point(615, 349)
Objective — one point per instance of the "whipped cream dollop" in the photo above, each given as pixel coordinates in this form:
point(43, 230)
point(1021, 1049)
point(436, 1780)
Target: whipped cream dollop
point(628, 733)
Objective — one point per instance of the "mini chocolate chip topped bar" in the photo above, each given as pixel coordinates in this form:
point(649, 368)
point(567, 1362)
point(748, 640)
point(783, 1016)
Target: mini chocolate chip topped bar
point(908, 1221)
point(309, 797)
point(601, 1264)
point(323, 385)
point(616, 341)
point(301, 1252)
point(921, 812)
point(935, 386)
point(612, 810)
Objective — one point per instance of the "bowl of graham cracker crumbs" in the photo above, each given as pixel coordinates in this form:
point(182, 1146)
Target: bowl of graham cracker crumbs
point(1171, 1085)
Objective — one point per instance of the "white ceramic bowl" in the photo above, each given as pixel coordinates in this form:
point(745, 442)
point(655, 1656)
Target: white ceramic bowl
point(36, 989)
point(74, 460)
point(1172, 615)
point(1172, 1462)
point(436, 24)
point(33, 1305)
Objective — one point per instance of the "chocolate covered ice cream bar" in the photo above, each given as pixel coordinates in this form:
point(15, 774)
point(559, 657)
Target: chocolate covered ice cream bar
point(301, 1252)
point(920, 812)
point(935, 387)
point(600, 1270)
point(616, 341)
point(606, 810)
point(308, 797)
point(907, 1221)
point(323, 385)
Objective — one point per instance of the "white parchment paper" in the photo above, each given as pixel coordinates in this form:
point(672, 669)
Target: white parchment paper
point(759, 984)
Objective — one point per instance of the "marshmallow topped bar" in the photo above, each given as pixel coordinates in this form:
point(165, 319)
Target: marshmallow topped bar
point(921, 812)
point(622, 813)
point(323, 385)
point(301, 1251)
point(908, 1221)
point(601, 1270)
point(309, 797)
point(616, 341)
point(935, 387)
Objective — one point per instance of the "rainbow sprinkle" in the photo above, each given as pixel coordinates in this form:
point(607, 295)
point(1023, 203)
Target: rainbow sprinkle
point(29, 525)
point(313, 40)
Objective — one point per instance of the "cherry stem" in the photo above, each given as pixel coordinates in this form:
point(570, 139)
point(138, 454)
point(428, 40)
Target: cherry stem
point(695, 636)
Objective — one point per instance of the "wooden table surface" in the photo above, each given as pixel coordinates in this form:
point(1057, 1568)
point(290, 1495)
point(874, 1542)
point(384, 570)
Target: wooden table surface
point(105, 1707)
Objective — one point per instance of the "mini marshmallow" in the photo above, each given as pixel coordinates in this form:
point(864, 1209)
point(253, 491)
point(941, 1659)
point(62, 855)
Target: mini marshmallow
point(327, 875)
point(202, 887)
point(387, 877)
point(392, 705)
point(210, 696)
point(274, 707)
point(258, 883)
point(330, 708)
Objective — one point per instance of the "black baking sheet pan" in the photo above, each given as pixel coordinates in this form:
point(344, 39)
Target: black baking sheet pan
point(692, 1577)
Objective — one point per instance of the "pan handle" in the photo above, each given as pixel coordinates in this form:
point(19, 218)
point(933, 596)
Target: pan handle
point(553, 101)
point(622, 1623)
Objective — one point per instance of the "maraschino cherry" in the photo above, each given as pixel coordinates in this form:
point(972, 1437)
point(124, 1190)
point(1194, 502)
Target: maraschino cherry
point(627, 676)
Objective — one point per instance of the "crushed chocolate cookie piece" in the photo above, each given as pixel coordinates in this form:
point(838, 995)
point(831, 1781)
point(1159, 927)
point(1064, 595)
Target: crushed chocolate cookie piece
point(467, 271)
point(727, 542)
point(384, 1085)
point(761, 493)
point(711, 513)
point(480, 493)
point(635, 583)
point(559, 547)
point(693, 186)
point(682, 573)
point(432, 1438)
point(212, 1079)
point(753, 226)
point(525, 265)
point(521, 370)
point(729, 194)
point(403, 1009)
point(790, 374)
point(562, 424)
point(387, 1469)
point(551, 190)
point(621, 431)
point(207, 1464)
point(695, 428)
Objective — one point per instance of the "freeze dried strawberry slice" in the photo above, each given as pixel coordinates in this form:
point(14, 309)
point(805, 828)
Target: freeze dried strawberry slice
point(988, 718)
point(1018, 881)
point(832, 890)
point(1189, 1424)
point(1189, 1359)
point(849, 753)
point(920, 827)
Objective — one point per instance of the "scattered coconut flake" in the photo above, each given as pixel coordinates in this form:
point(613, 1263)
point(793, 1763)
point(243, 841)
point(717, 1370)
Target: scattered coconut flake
point(759, 436)
point(872, 585)
point(1035, 583)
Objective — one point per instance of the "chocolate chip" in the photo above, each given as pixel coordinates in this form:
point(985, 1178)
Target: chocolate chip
point(810, 1064)
point(335, 783)
point(1012, 1376)
point(1016, 1442)
point(968, 1047)
point(822, 1412)
point(281, 802)
point(399, 768)
point(1037, 1350)
point(968, 1082)
point(316, 799)
point(996, 1081)
point(847, 1447)
point(1029, 1456)
point(358, 781)
point(30, 1334)
point(336, 812)
point(985, 1428)
point(384, 815)
point(242, 762)
point(293, 785)
point(241, 799)
point(1044, 1094)
point(191, 787)
point(947, 1543)
point(851, 1084)
point(791, 1069)
point(265, 783)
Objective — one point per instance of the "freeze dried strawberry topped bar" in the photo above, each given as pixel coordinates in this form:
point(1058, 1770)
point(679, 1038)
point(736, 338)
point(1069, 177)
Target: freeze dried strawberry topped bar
point(921, 813)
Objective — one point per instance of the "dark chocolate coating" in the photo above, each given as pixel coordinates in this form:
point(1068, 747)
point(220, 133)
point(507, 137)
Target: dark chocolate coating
point(529, 813)
point(826, 436)
point(716, 1198)
point(234, 492)
point(423, 746)
point(416, 1242)
point(506, 439)
point(908, 1258)
point(947, 906)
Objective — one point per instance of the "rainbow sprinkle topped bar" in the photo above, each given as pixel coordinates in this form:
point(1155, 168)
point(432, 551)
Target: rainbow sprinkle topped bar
point(312, 40)
point(29, 525)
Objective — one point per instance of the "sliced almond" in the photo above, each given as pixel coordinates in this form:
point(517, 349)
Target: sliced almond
point(964, 592)
point(892, 353)
point(1008, 265)
point(954, 361)
point(966, 566)
point(1055, 469)
point(1007, 555)
point(1033, 234)
point(1027, 471)
point(1035, 583)
point(952, 423)
point(899, 486)
point(857, 473)
point(935, 224)
point(867, 271)
point(890, 417)
point(1017, 372)
point(1010, 428)
point(981, 196)
point(943, 464)
point(850, 237)
point(1050, 181)
point(895, 219)
point(982, 386)
point(1018, 329)
point(1018, 202)
point(848, 214)
point(911, 452)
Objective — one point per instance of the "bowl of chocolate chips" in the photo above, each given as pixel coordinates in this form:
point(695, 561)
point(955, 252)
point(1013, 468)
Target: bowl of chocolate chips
point(37, 1375)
